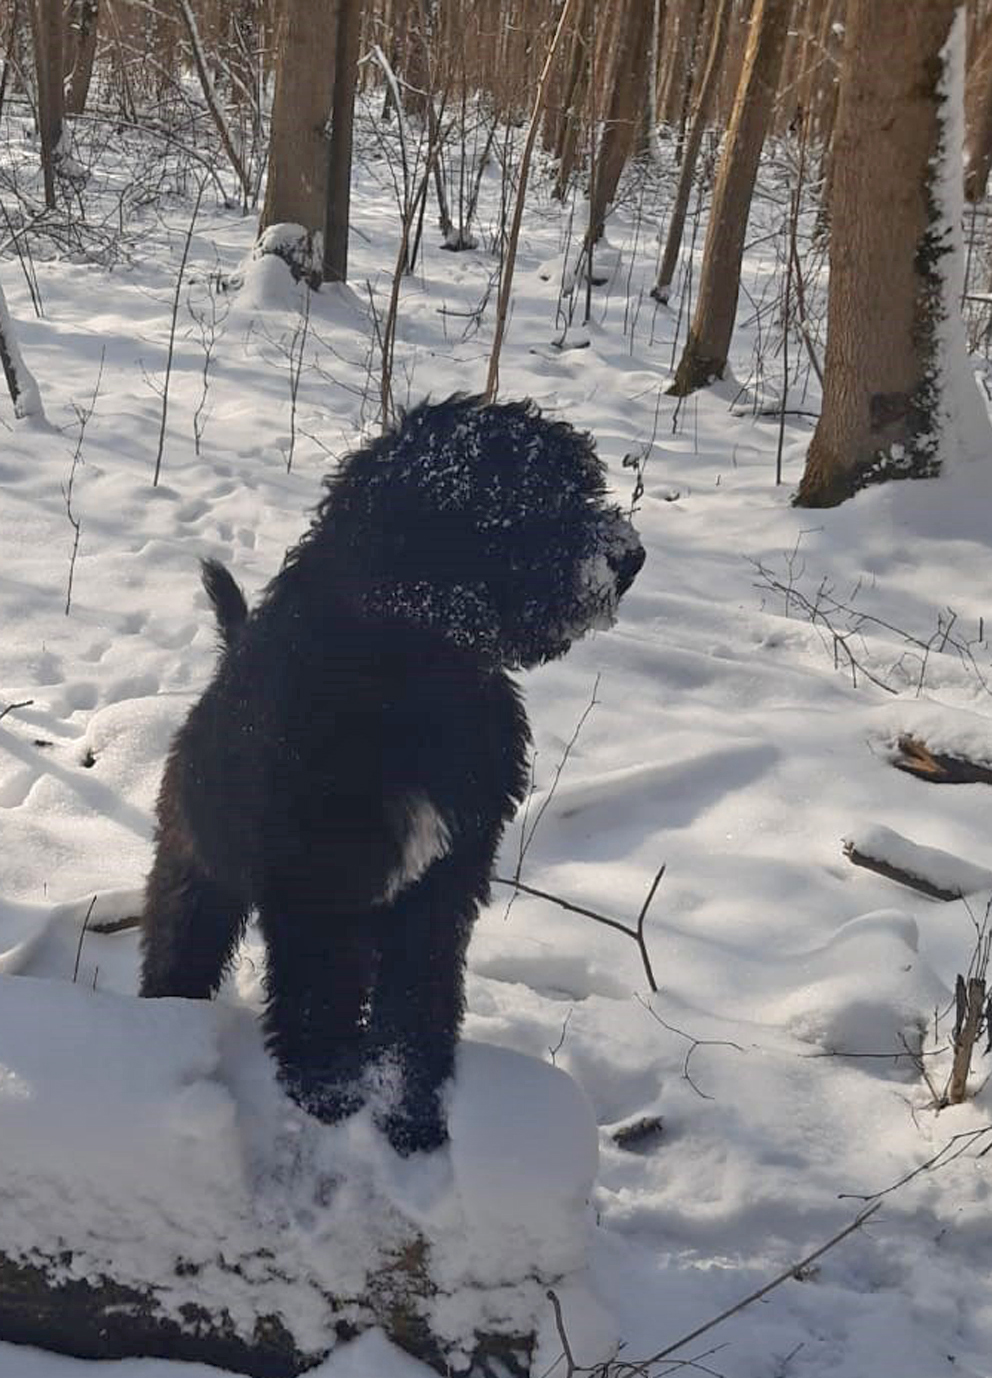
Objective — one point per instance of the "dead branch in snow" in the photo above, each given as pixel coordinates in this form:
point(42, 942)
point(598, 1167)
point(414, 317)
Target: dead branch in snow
point(937, 767)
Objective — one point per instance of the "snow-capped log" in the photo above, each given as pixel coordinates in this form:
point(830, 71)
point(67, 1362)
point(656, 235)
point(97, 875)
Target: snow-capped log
point(162, 1197)
point(938, 767)
point(929, 870)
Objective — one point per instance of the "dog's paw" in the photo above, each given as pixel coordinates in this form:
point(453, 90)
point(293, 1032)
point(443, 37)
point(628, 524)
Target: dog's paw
point(327, 1101)
point(409, 1134)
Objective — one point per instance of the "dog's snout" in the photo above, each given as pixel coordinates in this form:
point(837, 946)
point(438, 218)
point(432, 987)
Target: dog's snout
point(629, 567)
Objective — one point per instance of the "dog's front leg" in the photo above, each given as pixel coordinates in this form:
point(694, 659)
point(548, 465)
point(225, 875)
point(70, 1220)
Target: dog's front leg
point(319, 972)
point(419, 1000)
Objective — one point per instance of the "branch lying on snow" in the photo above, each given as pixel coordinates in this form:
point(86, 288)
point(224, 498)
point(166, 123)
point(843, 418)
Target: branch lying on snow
point(629, 1368)
point(636, 933)
point(693, 1042)
point(928, 870)
point(916, 758)
point(955, 1147)
point(13, 707)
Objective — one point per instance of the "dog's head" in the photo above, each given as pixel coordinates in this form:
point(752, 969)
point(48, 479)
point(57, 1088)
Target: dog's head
point(487, 522)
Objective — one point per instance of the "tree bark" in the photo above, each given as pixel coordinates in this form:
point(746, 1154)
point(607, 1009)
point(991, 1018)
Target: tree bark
point(337, 214)
point(700, 117)
point(978, 115)
point(83, 28)
point(20, 381)
point(71, 1304)
point(296, 191)
point(46, 28)
point(707, 347)
point(621, 118)
point(881, 399)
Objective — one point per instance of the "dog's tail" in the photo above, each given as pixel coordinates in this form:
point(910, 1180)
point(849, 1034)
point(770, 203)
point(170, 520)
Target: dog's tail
point(225, 595)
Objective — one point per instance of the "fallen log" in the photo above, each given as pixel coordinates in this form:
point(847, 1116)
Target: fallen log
point(161, 1197)
point(936, 767)
point(928, 870)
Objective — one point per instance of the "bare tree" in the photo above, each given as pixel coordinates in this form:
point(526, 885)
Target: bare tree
point(337, 213)
point(296, 191)
point(705, 354)
point(622, 113)
point(84, 19)
point(46, 29)
point(893, 312)
point(978, 112)
point(701, 111)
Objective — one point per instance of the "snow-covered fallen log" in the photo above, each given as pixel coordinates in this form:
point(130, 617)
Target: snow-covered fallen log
point(160, 1196)
point(915, 757)
point(933, 872)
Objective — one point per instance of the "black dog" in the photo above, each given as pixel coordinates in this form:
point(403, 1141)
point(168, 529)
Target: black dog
point(350, 768)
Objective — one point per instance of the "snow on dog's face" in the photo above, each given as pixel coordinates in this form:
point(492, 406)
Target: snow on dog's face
point(487, 522)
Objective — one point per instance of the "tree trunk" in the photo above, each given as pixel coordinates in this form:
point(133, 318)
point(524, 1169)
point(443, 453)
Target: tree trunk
point(700, 118)
point(46, 28)
point(339, 154)
point(890, 292)
point(575, 92)
point(620, 122)
point(70, 1302)
point(84, 22)
point(296, 191)
point(20, 381)
point(705, 355)
point(978, 115)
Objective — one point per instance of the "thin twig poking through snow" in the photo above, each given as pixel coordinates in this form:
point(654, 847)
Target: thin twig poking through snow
point(527, 834)
point(82, 936)
point(83, 415)
point(172, 330)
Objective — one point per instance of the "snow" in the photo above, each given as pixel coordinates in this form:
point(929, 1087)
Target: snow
point(717, 733)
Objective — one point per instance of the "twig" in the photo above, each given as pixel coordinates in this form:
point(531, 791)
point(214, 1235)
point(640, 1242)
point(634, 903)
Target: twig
point(637, 933)
point(694, 1043)
point(948, 1153)
point(527, 837)
point(13, 707)
point(295, 371)
point(83, 415)
point(172, 330)
point(570, 1368)
point(785, 1276)
point(82, 935)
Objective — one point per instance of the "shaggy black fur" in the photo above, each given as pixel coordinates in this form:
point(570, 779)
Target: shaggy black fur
point(349, 770)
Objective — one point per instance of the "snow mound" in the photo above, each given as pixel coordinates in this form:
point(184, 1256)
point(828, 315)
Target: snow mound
point(866, 991)
point(140, 1133)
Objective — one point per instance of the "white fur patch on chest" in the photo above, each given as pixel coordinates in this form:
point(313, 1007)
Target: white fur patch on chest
point(425, 839)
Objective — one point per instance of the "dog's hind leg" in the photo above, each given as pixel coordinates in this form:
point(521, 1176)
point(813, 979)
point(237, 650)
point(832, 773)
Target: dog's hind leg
point(320, 964)
point(190, 927)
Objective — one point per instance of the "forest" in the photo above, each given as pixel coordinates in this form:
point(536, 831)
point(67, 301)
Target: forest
point(720, 1098)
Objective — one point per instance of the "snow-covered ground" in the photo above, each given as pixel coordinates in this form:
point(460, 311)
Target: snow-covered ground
point(717, 730)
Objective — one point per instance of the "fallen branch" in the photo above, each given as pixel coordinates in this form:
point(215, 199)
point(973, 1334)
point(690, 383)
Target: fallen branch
point(937, 768)
point(626, 1370)
point(636, 933)
point(927, 870)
